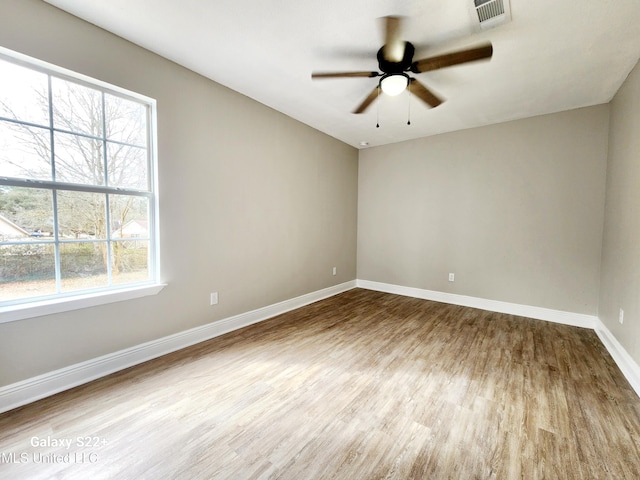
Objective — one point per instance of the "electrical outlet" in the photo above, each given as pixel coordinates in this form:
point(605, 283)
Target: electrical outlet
point(452, 277)
point(214, 298)
point(621, 316)
point(335, 271)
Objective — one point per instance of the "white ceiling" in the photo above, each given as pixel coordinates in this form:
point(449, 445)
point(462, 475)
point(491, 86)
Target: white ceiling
point(554, 55)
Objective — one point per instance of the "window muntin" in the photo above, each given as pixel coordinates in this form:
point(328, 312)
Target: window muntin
point(77, 197)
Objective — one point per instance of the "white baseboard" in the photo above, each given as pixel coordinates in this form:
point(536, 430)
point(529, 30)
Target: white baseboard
point(539, 313)
point(32, 389)
point(629, 368)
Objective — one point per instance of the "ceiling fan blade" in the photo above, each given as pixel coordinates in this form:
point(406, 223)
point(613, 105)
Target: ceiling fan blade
point(393, 50)
point(368, 101)
point(423, 93)
point(455, 58)
point(344, 74)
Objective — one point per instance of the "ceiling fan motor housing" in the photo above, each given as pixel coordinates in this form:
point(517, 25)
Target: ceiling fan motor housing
point(397, 67)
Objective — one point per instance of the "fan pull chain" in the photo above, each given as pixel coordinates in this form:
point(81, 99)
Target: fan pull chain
point(409, 105)
point(378, 107)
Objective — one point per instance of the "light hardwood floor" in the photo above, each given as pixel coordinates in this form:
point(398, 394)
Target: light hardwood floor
point(359, 386)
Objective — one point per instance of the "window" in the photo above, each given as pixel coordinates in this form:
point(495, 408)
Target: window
point(77, 185)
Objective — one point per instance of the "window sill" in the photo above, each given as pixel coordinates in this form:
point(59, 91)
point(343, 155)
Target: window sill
point(59, 305)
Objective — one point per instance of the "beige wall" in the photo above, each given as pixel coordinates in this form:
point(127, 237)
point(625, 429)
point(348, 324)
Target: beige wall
point(620, 281)
point(515, 210)
point(253, 204)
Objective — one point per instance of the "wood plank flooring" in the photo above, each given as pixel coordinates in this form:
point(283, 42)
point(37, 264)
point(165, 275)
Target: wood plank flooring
point(364, 385)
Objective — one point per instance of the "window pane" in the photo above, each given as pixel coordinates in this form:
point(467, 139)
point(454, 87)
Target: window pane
point(27, 271)
point(23, 94)
point(25, 214)
point(127, 166)
point(81, 215)
point(83, 265)
point(129, 216)
point(126, 121)
point(76, 108)
point(78, 159)
point(25, 152)
point(130, 261)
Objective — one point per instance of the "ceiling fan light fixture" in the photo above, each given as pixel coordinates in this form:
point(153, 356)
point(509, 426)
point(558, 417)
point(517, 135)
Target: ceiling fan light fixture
point(394, 84)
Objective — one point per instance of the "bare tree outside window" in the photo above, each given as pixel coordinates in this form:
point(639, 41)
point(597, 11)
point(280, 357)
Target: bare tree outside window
point(75, 186)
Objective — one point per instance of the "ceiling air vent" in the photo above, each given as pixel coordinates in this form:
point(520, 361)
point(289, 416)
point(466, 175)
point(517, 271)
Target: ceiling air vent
point(492, 13)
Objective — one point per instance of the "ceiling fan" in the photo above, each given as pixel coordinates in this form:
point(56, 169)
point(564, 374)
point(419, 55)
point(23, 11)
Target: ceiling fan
point(395, 60)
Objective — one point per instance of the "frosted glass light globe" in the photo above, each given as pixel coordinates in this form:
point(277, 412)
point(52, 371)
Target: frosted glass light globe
point(394, 84)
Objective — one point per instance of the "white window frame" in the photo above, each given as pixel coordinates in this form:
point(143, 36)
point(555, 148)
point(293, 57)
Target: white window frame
point(58, 303)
